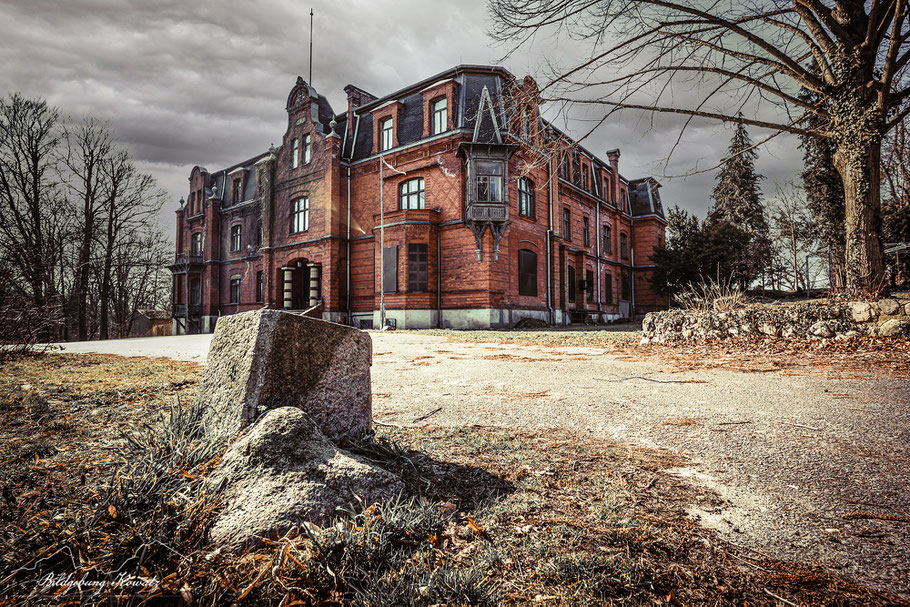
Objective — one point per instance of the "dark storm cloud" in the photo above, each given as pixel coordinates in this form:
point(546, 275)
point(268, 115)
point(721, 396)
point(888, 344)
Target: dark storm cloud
point(205, 82)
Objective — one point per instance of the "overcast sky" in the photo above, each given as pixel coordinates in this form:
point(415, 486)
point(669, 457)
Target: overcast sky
point(205, 82)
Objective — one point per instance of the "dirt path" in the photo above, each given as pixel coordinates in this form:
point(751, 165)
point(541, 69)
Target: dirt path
point(802, 461)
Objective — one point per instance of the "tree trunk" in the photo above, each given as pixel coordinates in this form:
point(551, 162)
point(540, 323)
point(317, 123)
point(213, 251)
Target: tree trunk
point(859, 166)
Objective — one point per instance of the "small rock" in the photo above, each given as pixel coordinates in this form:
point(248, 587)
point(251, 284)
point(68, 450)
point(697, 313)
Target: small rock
point(889, 306)
point(894, 328)
point(861, 311)
point(822, 329)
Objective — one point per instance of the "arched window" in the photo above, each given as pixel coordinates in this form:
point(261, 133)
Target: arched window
point(525, 197)
point(527, 273)
point(410, 194)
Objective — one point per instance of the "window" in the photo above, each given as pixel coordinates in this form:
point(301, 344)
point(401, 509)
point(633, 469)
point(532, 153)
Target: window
point(586, 231)
point(259, 292)
point(295, 154)
point(566, 224)
point(306, 149)
point(576, 169)
point(238, 191)
point(235, 238)
point(525, 197)
point(608, 288)
point(585, 177)
point(440, 116)
point(300, 215)
point(385, 135)
point(589, 285)
point(259, 233)
point(417, 267)
point(623, 245)
point(607, 240)
point(570, 278)
point(410, 194)
point(235, 289)
point(596, 183)
point(527, 273)
point(196, 244)
point(195, 292)
point(489, 181)
point(564, 169)
point(626, 285)
point(390, 269)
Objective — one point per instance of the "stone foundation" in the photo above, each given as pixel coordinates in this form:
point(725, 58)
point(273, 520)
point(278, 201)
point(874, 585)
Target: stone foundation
point(886, 317)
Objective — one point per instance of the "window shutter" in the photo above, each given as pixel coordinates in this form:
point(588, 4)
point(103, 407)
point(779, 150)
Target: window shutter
point(390, 269)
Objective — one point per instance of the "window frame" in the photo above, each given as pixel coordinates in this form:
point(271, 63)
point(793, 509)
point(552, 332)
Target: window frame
point(571, 279)
point(384, 145)
point(297, 212)
point(487, 174)
point(306, 153)
point(526, 286)
point(623, 245)
point(237, 190)
point(235, 289)
point(606, 235)
point(405, 197)
point(608, 288)
point(438, 127)
point(236, 237)
point(586, 231)
point(567, 224)
point(196, 237)
point(260, 293)
point(418, 269)
point(295, 153)
point(526, 197)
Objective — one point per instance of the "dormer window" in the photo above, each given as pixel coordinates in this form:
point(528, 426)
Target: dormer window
point(440, 116)
point(385, 134)
point(295, 154)
point(584, 177)
point(488, 183)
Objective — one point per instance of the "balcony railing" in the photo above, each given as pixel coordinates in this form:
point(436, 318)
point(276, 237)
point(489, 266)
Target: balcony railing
point(188, 258)
point(488, 212)
point(185, 311)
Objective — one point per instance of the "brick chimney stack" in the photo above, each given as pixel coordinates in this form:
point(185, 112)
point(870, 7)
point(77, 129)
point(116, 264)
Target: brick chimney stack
point(356, 98)
point(613, 157)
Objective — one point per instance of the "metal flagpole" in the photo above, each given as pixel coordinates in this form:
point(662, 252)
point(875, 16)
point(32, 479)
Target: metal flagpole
point(311, 48)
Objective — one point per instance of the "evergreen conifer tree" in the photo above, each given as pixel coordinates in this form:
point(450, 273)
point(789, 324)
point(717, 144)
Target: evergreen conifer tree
point(737, 201)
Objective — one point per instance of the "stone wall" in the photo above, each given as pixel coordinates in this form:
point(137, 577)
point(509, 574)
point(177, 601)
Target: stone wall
point(885, 317)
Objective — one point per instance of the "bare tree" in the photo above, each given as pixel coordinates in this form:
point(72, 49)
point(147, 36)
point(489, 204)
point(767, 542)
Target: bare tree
point(794, 233)
point(751, 57)
point(88, 146)
point(32, 219)
point(131, 201)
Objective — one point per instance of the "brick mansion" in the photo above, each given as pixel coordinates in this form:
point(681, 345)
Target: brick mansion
point(450, 203)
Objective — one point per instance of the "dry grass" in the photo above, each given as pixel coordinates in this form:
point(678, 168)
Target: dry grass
point(494, 516)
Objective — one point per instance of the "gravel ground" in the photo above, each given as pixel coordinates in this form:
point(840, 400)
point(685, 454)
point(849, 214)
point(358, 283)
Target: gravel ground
point(790, 454)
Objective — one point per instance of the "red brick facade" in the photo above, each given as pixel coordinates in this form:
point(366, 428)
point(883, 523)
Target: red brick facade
point(301, 227)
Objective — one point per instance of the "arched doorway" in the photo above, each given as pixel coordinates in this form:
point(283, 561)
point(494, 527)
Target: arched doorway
point(300, 284)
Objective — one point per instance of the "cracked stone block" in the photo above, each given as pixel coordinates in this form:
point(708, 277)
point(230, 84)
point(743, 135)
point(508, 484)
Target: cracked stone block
point(267, 359)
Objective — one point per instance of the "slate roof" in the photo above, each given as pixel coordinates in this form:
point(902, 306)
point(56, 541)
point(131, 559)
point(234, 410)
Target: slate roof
point(644, 196)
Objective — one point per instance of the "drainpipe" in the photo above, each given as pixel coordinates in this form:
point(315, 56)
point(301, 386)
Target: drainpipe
point(597, 234)
point(438, 280)
point(348, 274)
point(550, 312)
point(381, 243)
point(632, 272)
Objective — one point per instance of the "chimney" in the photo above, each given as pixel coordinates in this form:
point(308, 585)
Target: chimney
point(356, 98)
point(613, 157)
